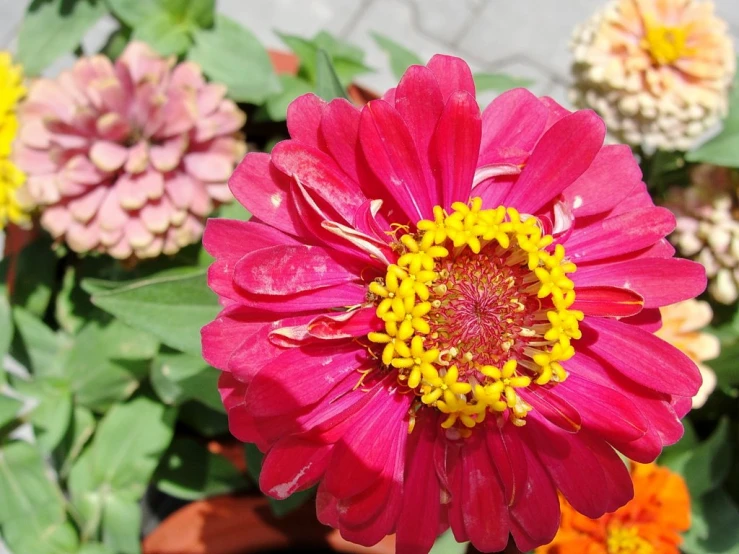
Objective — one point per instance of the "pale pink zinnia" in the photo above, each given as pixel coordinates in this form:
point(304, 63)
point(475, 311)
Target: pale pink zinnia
point(403, 324)
point(128, 158)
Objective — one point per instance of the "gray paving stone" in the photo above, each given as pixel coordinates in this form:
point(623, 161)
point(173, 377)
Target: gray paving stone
point(298, 17)
point(11, 13)
point(442, 19)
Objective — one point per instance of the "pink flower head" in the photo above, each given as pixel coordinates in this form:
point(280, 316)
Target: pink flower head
point(128, 158)
point(403, 324)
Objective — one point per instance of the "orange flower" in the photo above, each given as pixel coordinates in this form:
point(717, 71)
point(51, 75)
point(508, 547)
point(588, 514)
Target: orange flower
point(650, 524)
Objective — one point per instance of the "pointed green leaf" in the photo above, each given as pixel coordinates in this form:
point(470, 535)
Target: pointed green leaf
point(173, 307)
point(178, 377)
point(328, 86)
point(52, 28)
point(499, 82)
point(230, 54)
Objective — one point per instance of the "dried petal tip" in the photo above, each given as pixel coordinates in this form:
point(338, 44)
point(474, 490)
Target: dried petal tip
point(659, 72)
point(128, 158)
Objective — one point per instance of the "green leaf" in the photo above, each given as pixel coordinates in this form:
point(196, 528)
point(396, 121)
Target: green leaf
point(163, 35)
point(447, 544)
point(723, 149)
point(328, 86)
point(305, 50)
point(672, 455)
point(292, 87)
point(111, 475)
point(35, 270)
point(499, 82)
point(47, 351)
point(116, 43)
point(190, 472)
point(232, 55)
point(706, 465)
point(178, 377)
point(53, 413)
point(132, 12)
point(78, 433)
point(125, 450)
point(23, 535)
point(6, 319)
point(346, 58)
point(200, 12)
point(26, 489)
point(95, 548)
point(714, 525)
point(400, 57)
point(51, 28)
point(172, 307)
point(206, 421)
point(9, 408)
point(280, 508)
point(233, 210)
point(122, 525)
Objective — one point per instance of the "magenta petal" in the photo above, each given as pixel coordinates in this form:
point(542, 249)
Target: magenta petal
point(485, 511)
point(419, 102)
point(456, 143)
point(576, 470)
point(512, 122)
point(563, 154)
point(554, 409)
point(240, 423)
point(290, 269)
point(224, 334)
point(453, 74)
point(227, 239)
point(510, 461)
point(535, 514)
point(391, 154)
point(653, 278)
point(304, 118)
point(355, 323)
point(360, 456)
point(314, 370)
point(318, 173)
point(414, 534)
point(263, 191)
point(612, 176)
point(642, 357)
point(335, 296)
point(607, 301)
point(291, 465)
point(607, 411)
point(649, 319)
point(339, 131)
point(621, 234)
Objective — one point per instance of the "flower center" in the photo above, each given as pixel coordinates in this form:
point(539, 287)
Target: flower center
point(477, 308)
point(626, 540)
point(665, 44)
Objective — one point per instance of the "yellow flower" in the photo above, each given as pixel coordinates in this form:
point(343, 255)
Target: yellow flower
point(657, 71)
point(11, 178)
point(650, 523)
point(680, 327)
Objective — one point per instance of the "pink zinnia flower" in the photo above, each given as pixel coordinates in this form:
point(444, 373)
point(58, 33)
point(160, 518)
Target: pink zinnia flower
point(404, 326)
point(128, 158)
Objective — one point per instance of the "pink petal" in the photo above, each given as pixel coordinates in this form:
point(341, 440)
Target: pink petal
point(290, 269)
point(108, 156)
point(360, 456)
point(510, 461)
point(262, 190)
point(607, 301)
point(554, 409)
point(166, 156)
point(453, 74)
point(419, 102)
point(229, 240)
point(391, 153)
point(456, 144)
point(512, 122)
point(156, 215)
point(138, 158)
point(612, 176)
point(335, 296)
point(563, 154)
point(338, 132)
point(222, 336)
point(556, 111)
point(653, 278)
point(208, 167)
point(240, 424)
point(84, 207)
point(292, 465)
point(317, 172)
point(628, 232)
point(649, 319)
point(304, 118)
point(641, 356)
point(111, 126)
